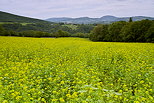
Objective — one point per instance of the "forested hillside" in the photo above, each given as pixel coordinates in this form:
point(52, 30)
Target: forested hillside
point(8, 17)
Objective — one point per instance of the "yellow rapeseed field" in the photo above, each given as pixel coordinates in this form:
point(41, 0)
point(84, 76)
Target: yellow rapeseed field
point(75, 70)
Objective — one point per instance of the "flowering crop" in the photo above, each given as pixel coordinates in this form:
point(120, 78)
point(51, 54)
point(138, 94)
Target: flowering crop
point(53, 70)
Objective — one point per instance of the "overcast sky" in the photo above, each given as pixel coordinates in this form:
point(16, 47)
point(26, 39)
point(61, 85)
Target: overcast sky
point(44, 9)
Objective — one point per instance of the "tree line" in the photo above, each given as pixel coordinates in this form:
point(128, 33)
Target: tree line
point(121, 31)
point(138, 31)
point(45, 30)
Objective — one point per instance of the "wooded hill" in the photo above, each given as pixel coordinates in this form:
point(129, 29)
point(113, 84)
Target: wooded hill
point(8, 17)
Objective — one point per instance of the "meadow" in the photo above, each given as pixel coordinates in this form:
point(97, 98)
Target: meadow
point(75, 70)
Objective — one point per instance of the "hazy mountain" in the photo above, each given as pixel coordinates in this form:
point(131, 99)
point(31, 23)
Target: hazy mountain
point(108, 18)
point(105, 19)
point(59, 19)
point(8, 17)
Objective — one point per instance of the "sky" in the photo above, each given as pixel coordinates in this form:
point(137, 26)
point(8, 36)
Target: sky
point(44, 9)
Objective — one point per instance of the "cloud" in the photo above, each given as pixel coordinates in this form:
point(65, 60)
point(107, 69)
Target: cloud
point(74, 8)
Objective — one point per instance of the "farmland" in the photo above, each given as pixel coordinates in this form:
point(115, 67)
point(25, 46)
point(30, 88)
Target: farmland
point(75, 70)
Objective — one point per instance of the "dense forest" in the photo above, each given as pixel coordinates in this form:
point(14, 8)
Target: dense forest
point(45, 29)
point(138, 31)
point(121, 31)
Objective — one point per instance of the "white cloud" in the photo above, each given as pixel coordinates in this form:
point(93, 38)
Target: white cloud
point(75, 8)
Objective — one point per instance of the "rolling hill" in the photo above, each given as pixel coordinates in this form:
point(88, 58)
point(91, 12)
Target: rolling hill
point(8, 17)
point(105, 19)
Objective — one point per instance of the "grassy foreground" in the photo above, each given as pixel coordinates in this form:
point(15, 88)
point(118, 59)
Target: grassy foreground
point(75, 70)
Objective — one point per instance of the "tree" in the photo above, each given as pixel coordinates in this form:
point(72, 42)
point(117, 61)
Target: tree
point(114, 31)
point(150, 34)
point(136, 31)
point(99, 33)
point(126, 34)
point(130, 19)
point(61, 33)
point(2, 30)
point(82, 35)
point(84, 28)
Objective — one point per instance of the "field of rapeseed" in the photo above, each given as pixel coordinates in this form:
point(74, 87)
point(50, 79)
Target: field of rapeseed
point(75, 70)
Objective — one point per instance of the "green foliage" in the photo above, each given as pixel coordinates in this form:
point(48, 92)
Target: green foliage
point(114, 31)
point(72, 26)
point(49, 28)
point(150, 34)
point(61, 33)
point(126, 34)
point(32, 33)
point(138, 31)
point(2, 30)
point(82, 35)
point(12, 26)
point(99, 33)
point(84, 28)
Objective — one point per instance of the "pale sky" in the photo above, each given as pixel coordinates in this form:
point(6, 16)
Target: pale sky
point(43, 9)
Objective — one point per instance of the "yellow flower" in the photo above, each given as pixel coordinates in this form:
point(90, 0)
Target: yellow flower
point(68, 95)
point(5, 101)
point(142, 82)
point(150, 97)
point(25, 87)
point(89, 96)
point(61, 100)
point(136, 102)
point(54, 92)
point(43, 100)
point(50, 79)
point(150, 90)
point(13, 94)
point(120, 91)
point(18, 97)
point(147, 92)
point(54, 100)
point(84, 102)
point(62, 82)
point(74, 95)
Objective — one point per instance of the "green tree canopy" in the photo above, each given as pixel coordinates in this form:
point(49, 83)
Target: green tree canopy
point(115, 30)
point(99, 33)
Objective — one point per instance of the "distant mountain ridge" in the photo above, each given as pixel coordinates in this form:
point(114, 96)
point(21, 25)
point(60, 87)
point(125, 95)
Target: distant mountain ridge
point(105, 19)
point(8, 17)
